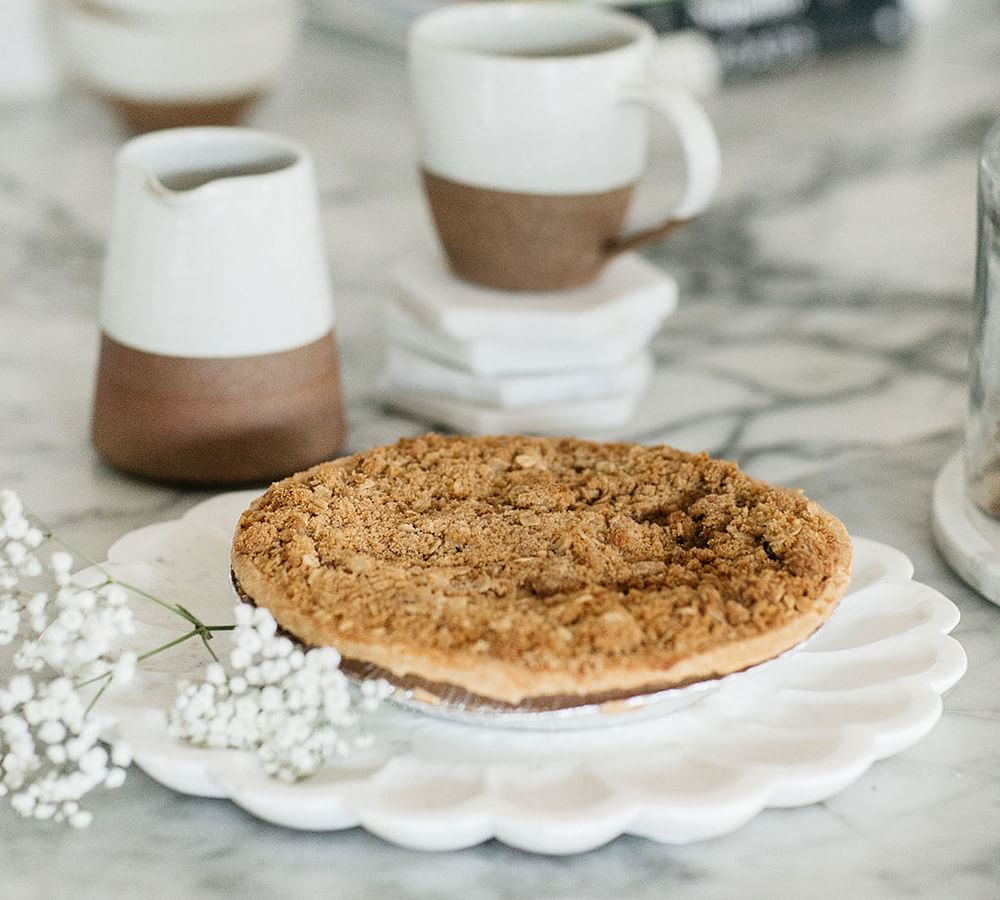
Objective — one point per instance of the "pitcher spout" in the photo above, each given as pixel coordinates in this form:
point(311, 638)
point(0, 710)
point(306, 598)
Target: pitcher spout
point(180, 162)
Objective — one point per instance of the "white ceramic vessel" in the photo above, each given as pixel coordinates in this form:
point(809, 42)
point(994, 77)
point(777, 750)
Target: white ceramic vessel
point(496, 107)
point(218, 362)
point(792, 733)
point(532, 134)
point(216, 246)
point(177, 62)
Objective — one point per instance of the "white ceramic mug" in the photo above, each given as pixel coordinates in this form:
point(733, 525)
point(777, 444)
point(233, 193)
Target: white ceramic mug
point(531, 121)
point(218, 360)
point(170, 63)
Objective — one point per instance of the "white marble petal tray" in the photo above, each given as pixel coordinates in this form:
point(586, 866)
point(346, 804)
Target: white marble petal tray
point(795, 732)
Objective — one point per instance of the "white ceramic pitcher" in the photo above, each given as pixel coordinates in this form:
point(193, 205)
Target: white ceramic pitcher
point(218, 360)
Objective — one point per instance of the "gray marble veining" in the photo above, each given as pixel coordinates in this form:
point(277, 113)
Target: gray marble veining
point(821, 340)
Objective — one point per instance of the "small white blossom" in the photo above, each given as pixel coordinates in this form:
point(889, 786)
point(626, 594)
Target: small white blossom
point(52, 732)
point(61, 562)
point(116, 596)
point(29, 657)
point(16, 553)
point(121, 755)
point(123, 670)
point(81, 818)
point(114, 779)
point(10, 621)
point(21, 688)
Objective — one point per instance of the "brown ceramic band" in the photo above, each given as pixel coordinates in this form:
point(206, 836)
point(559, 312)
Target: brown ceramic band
point(218, 420)
point(152, 115)
point(532, 242)
point(525, 242)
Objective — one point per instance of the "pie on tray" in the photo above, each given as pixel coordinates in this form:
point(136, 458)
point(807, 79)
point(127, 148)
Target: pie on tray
point(540, 573)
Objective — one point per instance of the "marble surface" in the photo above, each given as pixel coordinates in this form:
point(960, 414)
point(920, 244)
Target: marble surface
point(821, 340)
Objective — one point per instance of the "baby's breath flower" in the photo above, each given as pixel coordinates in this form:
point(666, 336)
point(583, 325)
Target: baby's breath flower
point(61, 562)
point(123, 670)
point(51, 754)
point(50, 749)
point(294, 709)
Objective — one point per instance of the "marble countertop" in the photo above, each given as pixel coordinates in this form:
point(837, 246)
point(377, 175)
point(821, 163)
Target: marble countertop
point(821, 340)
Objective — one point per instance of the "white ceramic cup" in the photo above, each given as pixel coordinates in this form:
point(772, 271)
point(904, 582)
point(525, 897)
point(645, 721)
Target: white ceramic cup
point(165, 63)
point(520, 103)
point(218, 359)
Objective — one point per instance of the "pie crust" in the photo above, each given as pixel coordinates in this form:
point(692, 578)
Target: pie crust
point(540, 572)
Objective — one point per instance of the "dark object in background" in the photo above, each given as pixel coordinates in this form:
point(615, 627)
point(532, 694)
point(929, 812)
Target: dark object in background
point(759, 36)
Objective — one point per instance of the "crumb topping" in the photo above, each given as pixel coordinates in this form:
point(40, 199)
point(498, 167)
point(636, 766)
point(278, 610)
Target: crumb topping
point(557, 554)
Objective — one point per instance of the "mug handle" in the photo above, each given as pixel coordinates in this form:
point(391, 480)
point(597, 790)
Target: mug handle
point(701, 155)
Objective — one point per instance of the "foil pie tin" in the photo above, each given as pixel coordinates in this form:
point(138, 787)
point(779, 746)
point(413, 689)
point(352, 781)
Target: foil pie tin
point(459, 706)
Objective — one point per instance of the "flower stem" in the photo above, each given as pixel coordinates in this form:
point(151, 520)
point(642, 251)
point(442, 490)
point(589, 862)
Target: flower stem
point(97, 696)
point(135, 589)
point(178, 640)
point(106, 676)
point(205, 638)
point(199, 628)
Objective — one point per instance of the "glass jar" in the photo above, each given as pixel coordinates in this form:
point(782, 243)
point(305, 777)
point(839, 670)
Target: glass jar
point(982, 432)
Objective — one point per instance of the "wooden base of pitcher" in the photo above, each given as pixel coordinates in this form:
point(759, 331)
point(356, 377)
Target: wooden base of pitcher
point(140, 116)
point(242, 420)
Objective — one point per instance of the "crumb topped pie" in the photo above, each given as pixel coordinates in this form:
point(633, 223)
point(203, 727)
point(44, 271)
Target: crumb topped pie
point(539, 571)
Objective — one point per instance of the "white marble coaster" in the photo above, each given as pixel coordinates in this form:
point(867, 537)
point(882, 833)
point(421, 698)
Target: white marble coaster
point(534, 350)
point(405, 370)
point(630, 294)
point(583, 416)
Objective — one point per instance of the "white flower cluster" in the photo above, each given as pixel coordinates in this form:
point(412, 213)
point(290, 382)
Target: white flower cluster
point(19, 540)
point(78, 638)
point(50, 750)
point(293, 708)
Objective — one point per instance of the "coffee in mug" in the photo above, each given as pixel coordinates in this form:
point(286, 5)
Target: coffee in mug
point(531, 121)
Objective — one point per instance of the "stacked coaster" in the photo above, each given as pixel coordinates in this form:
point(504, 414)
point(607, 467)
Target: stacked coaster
point(484, 361)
